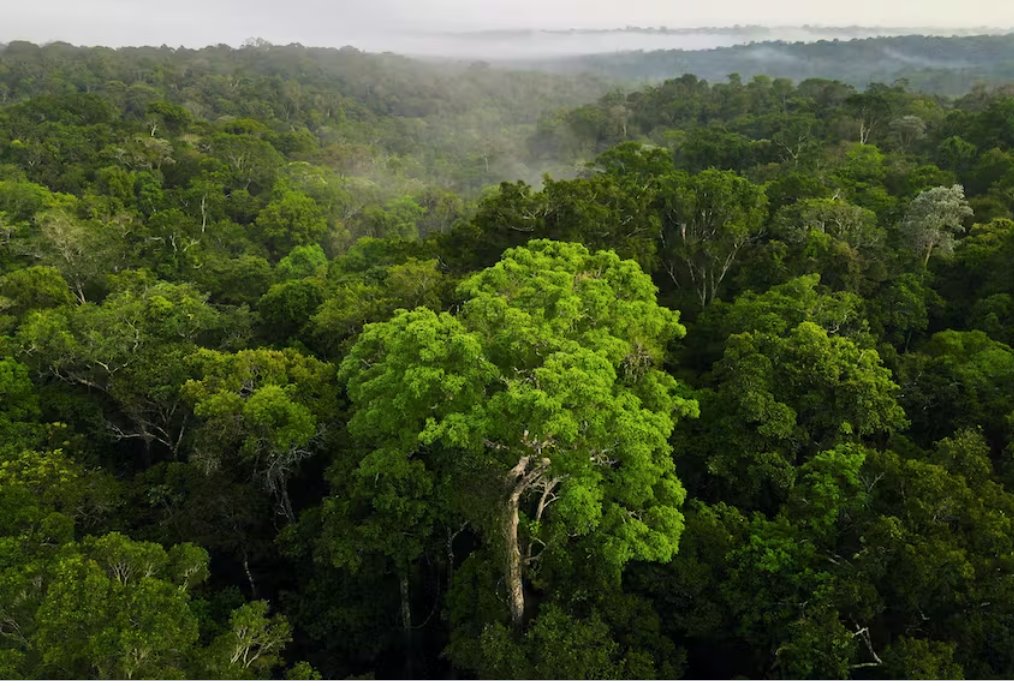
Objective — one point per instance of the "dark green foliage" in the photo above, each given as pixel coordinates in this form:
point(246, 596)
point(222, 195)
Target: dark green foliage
point(289, 388)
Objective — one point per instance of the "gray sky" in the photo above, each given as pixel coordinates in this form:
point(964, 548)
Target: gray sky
point(338, 22)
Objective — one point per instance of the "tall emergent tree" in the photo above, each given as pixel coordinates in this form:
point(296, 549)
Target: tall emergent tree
point(933, 219)
point(707, 220)
point(544, 400)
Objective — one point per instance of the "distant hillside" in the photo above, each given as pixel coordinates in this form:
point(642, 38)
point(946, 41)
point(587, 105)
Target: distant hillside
point(458, 124)
point(946, 65)
point(549, 44)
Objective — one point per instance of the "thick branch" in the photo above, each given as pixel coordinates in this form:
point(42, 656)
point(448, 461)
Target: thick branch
point(864, 632)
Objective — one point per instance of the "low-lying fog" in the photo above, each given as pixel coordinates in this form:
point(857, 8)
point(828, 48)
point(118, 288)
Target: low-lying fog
point(532, 44)
point(483, 29)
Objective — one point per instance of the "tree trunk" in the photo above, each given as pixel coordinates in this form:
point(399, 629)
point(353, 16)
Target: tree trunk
point(406, 603)
point(287, 504)
point(204, 213)
point(450, 558)
point(249, 575)
point(512, 555)
point(146, 441)
point(407, 637)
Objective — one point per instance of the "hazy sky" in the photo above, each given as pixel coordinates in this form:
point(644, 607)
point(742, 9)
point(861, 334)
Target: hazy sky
point(337, 22)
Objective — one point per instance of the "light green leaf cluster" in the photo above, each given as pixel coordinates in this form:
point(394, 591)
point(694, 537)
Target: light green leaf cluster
point(548, 377)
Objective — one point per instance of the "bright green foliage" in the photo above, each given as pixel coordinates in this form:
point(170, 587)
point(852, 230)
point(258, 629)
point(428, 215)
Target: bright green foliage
point(114, 608)
point(544, 393)
point(33, 288)
point(251, 646)
point(20, 406)
point(557, 646)
point(267, 408)
point(47, 493)
point(778, 397)
point(775, 312)
point(917, 658)
point(302, 262)
point(289, 220)
point(399, 485)
point(303, 671)
point(965, 454)
point(782, 308)
point(194, 242)
point(132, 348)
point(364, 294)
point(707, 221)
point(838, 389)
point(83, 252)
point(960, 379)
point(106, 612)
point(827, 486)
point(832, 237)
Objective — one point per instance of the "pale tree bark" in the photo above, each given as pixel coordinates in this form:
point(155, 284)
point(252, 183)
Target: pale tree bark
point(406, 603)
point(407, 630)
point(451, 536)
point(515, 583)
point(864, 633)
point(530, 471)
point(249, 574)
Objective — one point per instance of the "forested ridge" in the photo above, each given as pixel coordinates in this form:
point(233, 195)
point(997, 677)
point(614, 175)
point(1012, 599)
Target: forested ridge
point(290, 387)
point(949, 65)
